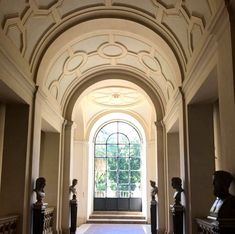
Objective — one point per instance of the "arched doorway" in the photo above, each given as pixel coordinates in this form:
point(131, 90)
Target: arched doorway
point(118, 167)
point(117, 146)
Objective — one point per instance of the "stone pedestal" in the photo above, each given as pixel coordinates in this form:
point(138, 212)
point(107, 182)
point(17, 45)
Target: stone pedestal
point(38, 218)
point(73, 214)
point(153, 211)
point(178, 218)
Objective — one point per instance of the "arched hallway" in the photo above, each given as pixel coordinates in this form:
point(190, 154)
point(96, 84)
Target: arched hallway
point(69, 68)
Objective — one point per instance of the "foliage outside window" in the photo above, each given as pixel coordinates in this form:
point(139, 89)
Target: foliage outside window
point(117, 161)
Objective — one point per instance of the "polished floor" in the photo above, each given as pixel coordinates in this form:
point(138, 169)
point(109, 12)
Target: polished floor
point(114, 229)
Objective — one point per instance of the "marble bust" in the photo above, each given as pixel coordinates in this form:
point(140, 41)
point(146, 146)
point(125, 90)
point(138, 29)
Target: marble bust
point(154, 191)
point(72, 188)
point(39, 189)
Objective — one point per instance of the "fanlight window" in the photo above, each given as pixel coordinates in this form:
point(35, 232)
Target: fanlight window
point(117, 161)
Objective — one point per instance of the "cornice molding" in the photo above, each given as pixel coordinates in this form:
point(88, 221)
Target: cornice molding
point(206, 61)
point(16, 79)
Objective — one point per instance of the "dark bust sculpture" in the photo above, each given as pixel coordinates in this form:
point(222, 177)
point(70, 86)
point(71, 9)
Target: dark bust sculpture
point(72, 188)
point(39, 189)
point(176, 183)
point(154, 191)
point(224, 205)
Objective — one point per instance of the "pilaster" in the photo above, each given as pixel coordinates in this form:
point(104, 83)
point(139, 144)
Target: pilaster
point(161, 175)
point(67, 150)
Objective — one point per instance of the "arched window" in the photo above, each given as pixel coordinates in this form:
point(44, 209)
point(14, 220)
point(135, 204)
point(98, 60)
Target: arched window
point(117, 161)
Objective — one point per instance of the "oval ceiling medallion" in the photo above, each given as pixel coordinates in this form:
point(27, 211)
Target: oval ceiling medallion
point(116, 96)
point(112, 50)
point(150, 62)
point(74, 62)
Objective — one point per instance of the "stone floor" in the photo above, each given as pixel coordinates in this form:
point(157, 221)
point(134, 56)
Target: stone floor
point(114, 229)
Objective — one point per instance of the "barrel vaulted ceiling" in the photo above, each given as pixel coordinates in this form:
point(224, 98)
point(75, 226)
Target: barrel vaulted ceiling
point(31, 27)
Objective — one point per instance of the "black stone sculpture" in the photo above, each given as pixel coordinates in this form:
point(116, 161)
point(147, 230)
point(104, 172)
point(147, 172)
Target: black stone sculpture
point(177, 209)
point(39, 206)
point(224, 204)
point(176, 183)
point(221, 219)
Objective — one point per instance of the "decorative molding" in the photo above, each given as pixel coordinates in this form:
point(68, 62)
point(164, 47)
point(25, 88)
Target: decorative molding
point(15, 79)
point(115, 50)
point(60, 11)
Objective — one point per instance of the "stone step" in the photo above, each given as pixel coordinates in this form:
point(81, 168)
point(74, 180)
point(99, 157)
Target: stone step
point(127, 221)
point(117, 217)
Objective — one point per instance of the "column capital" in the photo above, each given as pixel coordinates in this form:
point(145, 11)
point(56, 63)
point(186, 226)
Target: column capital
point(159, 124)
point(68, 123)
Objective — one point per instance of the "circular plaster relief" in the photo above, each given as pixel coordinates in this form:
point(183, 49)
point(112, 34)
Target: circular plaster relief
point(74, 62)
point(112, 50)
point(115, 96)
point(150, 62)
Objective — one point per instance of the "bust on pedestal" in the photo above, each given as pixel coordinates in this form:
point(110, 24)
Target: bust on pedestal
point(153, 207)
point(39, 190)
point(73, 206)
point(177, 209)
point(221, 218)
point(224, 204)
point(73, 190)
point(39, 206)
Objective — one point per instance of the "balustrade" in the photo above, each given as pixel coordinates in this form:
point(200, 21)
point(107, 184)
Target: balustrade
point(48, 220)
point(8, 224)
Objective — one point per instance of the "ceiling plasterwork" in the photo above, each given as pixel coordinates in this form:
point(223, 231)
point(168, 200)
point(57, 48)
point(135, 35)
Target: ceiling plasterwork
point(108, 50)
point(27, 24)
point(116, 96)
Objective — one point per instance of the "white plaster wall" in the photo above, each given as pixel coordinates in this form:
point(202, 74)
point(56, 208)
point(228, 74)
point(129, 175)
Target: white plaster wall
point(150, 172)
point(80, 172)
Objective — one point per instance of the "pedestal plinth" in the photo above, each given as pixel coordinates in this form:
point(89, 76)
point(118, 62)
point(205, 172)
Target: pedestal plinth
point(178, 218)
point(73, 214)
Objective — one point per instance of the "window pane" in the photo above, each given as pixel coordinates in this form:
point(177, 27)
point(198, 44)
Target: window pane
point(100, 190)
point(101, 137)
point(135, 177)
point(112, 177)
point(100, 151)
point(117, 161)
point(123, 150)
point(100, 165)
point(135, 150)
point(122, 139)
point(123, 177)
point(134, 137)
point(123, 187)
point(135, 164)
point(112, 139)
point(112, 163)
point(125, 128)
point(110, 128)
point(112, 151)
point(135, 190)
point(124, 191)
point(123, 163)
